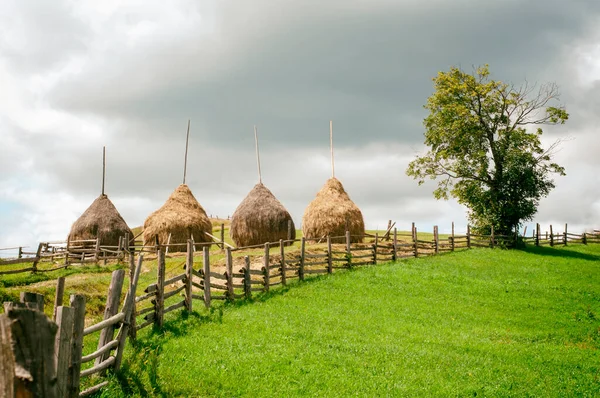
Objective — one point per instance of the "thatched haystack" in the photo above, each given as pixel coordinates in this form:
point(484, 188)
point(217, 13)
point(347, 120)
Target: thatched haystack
point(331, 213)
point(260, 218)
point(182, 217)
point(100, 220)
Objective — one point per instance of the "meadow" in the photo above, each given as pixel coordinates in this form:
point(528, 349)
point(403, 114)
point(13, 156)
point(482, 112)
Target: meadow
point(473, 323)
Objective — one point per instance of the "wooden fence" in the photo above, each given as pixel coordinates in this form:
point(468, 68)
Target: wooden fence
point(39, 351)
point(43, 357)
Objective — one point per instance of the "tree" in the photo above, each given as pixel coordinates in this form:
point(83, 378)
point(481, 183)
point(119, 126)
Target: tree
point(484, 146)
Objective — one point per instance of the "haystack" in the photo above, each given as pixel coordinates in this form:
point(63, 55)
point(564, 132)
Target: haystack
point(331, 213)
point(100, 220)
point(260, 218)
point(182, 217)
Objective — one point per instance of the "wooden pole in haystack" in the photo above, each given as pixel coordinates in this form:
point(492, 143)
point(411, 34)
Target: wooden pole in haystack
point(187, 140)
point(257, 155)
point(103, 167)
point(331, 146)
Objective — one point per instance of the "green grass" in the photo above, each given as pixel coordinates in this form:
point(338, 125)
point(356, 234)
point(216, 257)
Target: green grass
point(475, 323)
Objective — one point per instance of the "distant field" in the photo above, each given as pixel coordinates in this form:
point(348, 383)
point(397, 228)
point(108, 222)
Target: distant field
point(474, 323)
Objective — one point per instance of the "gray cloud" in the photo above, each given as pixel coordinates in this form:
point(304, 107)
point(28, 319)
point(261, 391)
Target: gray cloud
point(130, 79)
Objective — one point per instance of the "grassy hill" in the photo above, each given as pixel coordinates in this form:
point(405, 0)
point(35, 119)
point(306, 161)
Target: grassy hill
point(480, 322)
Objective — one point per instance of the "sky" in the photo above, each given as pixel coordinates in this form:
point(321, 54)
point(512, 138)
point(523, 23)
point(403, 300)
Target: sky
point(79, 75)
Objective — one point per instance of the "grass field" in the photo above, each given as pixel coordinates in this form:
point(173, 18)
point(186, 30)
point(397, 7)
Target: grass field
point(474, 323)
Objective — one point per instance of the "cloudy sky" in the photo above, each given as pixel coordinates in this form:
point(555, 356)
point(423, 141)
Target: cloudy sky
point(78, 75)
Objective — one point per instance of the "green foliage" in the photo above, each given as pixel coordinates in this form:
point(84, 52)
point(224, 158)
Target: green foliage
point(479, 322)
point(482, 150)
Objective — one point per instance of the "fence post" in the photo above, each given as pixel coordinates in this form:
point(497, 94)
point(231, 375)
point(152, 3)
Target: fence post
point(62, 347)
point(58, 297)
point(551, 236)
point(413, 230)
point(452, 238)
point(492, 240)
point(565, 235)
point(38, 253)
point(415, 240)
point(206, 269)
point(77, 302)
point(436, 239)
point(34, 301)
point(395, 245)
point(283, 267)
point(348, 249)
point(159, 300)
point(584, 238)
point(302, 254)
point(266, 271)
point(189, 266)
point(247, 279)
point(375, 248)
point(20, 255)
point(67, 251)
point(223, 236)
point(329, 256)
point(537, 234)
point(229, 267)
point(27, 347)
point(128, 308)
point(468, 236)
point(112, 308)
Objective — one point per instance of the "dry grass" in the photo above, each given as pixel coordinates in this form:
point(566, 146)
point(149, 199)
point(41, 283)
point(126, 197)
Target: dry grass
point(260, 218)
point(181, 216)
point(100, 220)
point(333, 213)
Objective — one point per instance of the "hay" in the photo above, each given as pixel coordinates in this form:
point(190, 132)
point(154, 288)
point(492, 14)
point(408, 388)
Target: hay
point(182, 217)
point(100, 220)
point(260, 218)
point(331, 213)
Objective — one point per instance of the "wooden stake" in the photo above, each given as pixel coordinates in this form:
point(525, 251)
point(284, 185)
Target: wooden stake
point(257, 155)
point(103, 167)
point(331, 146)
point(187, 139)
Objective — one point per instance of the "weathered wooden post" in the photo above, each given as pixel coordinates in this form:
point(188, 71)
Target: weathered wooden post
point(20, 255)
point(329, 256)
point(129, 309)
point(492, 239)
point(77, 302)
point(537, 234)
point(375, 248)
point(28, 367)
point(395, 245)
point(565, 235)
point(112, 308)
point(436, 240)
point(468, 236)
point(223, 236)
point(348, 249)
point(551, 236)
point(189, 267)
point(62, 348)
point(413, 230)
point(415, 240)
point(302, 255)
point(266, 272)
point(247, 278)
point(206, 269)
point(229, 267)
point(34, 301)
point(584, 238)
point(37, 259)
point(452, 238)
point(283, 267)
point(159, 300)
point(58, 296)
